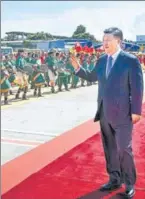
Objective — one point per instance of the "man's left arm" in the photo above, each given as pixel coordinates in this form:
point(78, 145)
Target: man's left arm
point(136, 89)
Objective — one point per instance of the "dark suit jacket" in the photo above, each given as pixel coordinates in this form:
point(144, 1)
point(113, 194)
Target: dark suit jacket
point(122, 92)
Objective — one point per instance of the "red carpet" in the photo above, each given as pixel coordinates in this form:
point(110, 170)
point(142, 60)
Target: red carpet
point(80, 172)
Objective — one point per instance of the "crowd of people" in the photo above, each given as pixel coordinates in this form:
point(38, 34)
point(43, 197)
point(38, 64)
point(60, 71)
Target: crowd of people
point(37, 70)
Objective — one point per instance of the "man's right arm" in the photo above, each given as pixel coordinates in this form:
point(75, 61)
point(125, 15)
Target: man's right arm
point(90, 76)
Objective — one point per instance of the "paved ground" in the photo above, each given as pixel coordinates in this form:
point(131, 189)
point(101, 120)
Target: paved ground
point(26, 124)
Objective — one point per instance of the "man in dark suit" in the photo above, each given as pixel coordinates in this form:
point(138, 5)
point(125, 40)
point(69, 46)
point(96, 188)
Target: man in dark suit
point(120, 84)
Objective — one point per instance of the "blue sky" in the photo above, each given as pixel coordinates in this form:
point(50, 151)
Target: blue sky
point(62, 17)
point(11, 9)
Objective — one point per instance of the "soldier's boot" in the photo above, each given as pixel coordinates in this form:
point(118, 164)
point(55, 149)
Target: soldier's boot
point(39, 92)
point(18, 94)
point(24, 97)
point(88, 83)
point(32, 85)
point(35, 92)
point(11, 92)
point(59, 89)
point(45, 85)
point(66, 87)
point(6, 99)
point(82, 83)
point(59, 85)
point(69, 78)
point(52, 89)
point(56, 83)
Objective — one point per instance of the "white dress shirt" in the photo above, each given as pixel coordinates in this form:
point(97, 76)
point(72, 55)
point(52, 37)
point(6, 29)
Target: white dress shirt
point(115, 55)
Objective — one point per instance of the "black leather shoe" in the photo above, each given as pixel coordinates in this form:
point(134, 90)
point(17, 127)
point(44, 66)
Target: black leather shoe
point(110, 187)
point(129, 193)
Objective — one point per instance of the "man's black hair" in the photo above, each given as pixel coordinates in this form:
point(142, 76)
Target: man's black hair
point(20, 51)
point(116, 32)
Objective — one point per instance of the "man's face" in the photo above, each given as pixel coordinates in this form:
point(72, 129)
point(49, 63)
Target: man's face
point(110, 43)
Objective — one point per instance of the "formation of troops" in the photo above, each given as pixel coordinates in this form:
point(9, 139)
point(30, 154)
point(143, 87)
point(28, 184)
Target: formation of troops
point(38, 70)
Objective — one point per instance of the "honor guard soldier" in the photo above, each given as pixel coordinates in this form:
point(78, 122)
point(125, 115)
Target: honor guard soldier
point(50, 61)
point(22, 77)
point(5, 84)
point(37, 76)
point(74, 78)
point(62, 74)
point(10, 67)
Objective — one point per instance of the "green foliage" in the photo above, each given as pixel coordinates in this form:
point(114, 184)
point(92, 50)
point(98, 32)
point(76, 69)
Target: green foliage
point(79, 33)
point(26, 44)
point(79, 30)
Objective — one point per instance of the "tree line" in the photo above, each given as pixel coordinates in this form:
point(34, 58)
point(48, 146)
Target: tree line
point(79, 33)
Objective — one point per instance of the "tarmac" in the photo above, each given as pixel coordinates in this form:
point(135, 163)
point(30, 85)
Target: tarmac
point(28, 124)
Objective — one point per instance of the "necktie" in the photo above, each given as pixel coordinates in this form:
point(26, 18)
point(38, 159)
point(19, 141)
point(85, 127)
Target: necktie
point(109, 65)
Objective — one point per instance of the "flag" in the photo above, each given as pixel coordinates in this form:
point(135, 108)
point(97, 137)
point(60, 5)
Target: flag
point(78, 47)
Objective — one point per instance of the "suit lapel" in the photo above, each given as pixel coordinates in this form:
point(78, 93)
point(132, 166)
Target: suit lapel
point(104, 67)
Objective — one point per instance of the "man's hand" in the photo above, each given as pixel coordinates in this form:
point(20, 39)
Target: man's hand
point(135, 118)
point(74, 62)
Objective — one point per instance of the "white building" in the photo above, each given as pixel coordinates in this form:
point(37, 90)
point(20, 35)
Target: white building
point(140, 39)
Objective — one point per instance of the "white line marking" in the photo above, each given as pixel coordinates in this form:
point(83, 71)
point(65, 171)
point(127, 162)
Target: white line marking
point(32, 146)
point(30, 132)
point(23, 140)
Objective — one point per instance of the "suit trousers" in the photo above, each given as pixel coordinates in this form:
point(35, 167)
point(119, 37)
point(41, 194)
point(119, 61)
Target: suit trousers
point(117, 144)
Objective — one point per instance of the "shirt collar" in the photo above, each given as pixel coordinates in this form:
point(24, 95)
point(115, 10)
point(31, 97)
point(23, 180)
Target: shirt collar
point(115, 55)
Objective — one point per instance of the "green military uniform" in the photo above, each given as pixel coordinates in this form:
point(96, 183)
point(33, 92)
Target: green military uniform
point(20, 65)
point(10, 66)
point(62, 75)
point(75, 79)
point(92, 65)
point(13, 62)
point(5, 84)
point(50, 61)
point(29, 62)
point(70, 70)
point(37, 78)
point(28, 59)
point(56, 63)
point(11, 69)
point(85, 66)
point(46, 74)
